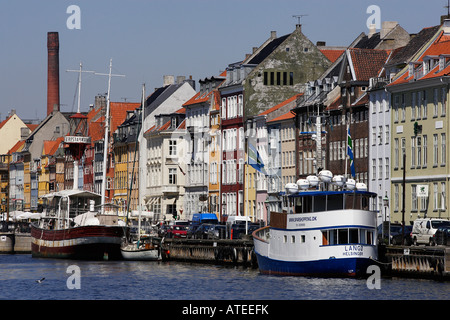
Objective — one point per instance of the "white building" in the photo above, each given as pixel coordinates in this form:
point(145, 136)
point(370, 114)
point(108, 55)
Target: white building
point(379, 145)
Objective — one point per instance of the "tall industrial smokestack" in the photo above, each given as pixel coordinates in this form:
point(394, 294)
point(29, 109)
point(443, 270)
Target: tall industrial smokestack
point(53, 72)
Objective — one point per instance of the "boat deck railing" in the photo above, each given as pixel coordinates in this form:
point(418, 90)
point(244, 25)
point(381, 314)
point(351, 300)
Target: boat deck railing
point(261, 234)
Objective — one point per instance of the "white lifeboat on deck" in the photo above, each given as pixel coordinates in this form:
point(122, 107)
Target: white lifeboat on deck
point(291, 188)
point(313, 180)
point(303, 184)
point(325, 176)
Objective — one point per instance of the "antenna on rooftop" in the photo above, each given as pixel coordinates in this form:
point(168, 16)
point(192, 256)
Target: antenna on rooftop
point(299, 16)
point(448, 8)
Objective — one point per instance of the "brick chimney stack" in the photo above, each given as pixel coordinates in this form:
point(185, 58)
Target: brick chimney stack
point(53, 72)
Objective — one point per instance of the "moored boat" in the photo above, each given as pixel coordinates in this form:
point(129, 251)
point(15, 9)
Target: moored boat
point(71, 228)
point(147, 249)
point(331, 233)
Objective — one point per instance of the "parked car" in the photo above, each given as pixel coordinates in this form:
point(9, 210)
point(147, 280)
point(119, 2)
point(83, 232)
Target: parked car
point(191, 230)
point(177, 231)
point(397, 233)
point(442, 236)
point(424, 230)
point(202, 231)
point(238, 230)
point(217, 231)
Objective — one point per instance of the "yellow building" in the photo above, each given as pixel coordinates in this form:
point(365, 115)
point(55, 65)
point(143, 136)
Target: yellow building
point(214, 157)
point(126, 163)
point(420, 131)
point(4, 182)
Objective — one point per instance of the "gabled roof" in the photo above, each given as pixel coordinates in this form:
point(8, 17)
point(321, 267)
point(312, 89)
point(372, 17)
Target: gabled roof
point(332, 54)
point(404, 54)
point(50, 147)
point(440, 45)
point(268, 49)
point(118, 112)
point(366, 63)
point(17, 147)
point(286, 116)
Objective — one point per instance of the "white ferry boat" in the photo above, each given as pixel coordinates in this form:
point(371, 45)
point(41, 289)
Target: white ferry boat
point(326, 233)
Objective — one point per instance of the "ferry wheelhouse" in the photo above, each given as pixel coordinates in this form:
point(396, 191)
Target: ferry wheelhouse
point(325, 233)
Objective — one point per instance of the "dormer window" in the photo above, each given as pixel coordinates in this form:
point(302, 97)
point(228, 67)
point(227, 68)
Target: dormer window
point(173, 123)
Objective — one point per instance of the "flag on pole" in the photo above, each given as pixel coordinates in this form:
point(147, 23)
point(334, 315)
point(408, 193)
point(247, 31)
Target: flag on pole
point(254, 159)
point(350, 152)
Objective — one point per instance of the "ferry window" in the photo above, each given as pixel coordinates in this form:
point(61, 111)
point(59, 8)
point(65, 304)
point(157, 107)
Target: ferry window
point(324, 238)
point(303, 237)
point(332, 236)
point(342, 236)
point(353, 236)
point(285, 238)
point(293, 239)
point(362, 236)
point(369, 237)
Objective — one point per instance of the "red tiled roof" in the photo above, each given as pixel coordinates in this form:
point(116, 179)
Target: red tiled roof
point(32, 126)
point(17, 147)
point(287, 115)
point(335, 104)
point(119, 113)
point(278, 106)
point(182, 125)
point(331, 54)
point(50, 146)
point(441, 45)
point(367, 63)
point(165, 126)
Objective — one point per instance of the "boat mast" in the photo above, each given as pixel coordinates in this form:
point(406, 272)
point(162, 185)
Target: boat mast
point(75, 161)
point(106, 139)
point(139, 162)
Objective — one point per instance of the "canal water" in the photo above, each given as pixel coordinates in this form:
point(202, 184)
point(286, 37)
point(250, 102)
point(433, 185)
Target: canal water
point(133, 280)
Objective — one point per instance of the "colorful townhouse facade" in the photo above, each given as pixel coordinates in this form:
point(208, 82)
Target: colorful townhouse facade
point(419, 95)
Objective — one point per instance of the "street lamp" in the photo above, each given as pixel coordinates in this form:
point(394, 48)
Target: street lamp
point(386, 204)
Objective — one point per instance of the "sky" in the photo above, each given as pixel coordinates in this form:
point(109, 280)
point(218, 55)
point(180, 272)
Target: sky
point(147, 39)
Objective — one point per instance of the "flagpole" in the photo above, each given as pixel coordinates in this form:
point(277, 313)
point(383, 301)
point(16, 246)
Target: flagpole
point(346, 148)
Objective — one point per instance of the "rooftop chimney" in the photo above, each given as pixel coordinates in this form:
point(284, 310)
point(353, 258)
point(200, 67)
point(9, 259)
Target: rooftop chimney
point(53, 72)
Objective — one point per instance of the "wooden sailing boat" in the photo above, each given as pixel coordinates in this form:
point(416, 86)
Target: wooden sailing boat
point(145, 248)
point(71, 228)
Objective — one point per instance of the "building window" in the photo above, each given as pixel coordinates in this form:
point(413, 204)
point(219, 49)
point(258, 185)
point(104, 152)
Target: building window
point(443, 149)
point(396, 197)
point(435, 102)
point(413, 152)
point(172, 147)
point(419, 151)
point(396, 153)
point(413, 197)
point(386, 163)
point(425, 151)
point(172, 176)
point(403, 146)
point(403, 117)
point(435, 196)
point(435, 150)
point(443, 204)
